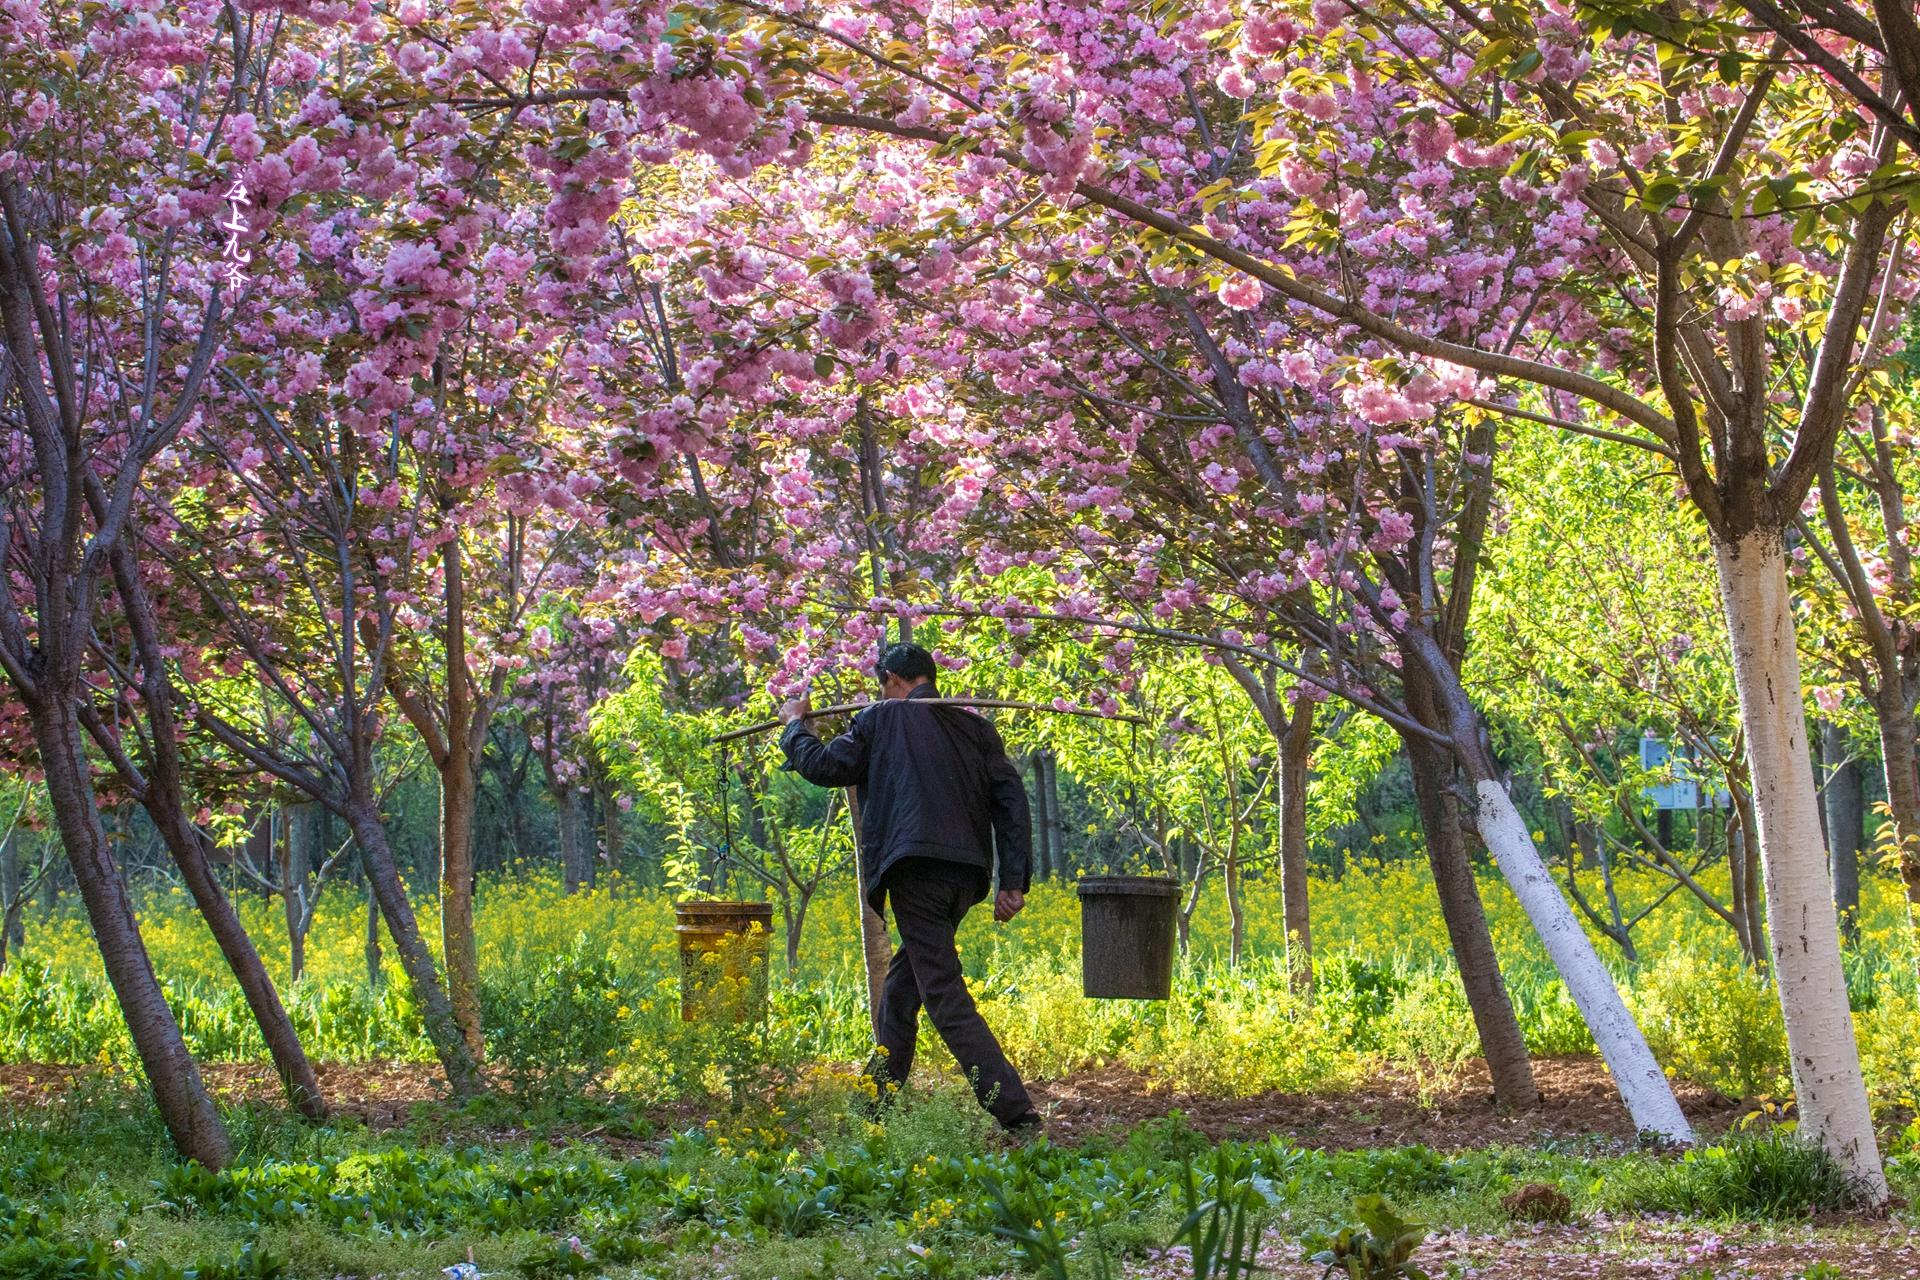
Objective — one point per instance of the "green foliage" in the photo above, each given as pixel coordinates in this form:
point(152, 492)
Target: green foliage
point(1026, 1218)
point(1770, 1174)
point(1431, 1032)
point(1226, 1215)
point(1714, 1020)
point(1397, 1171)
point(1354, 996)
point(554, 1032)
point(1379, 1247)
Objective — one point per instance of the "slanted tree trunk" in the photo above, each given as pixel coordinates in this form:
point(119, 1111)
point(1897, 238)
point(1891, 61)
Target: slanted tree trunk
point(187, 844)
point(1643, 1085)
point(1804, 933)
point(436, 1009)
point(161, 790)
point(172, 1074)
point(1502, 1043)
point(1636, 1073)
point(1846, 809)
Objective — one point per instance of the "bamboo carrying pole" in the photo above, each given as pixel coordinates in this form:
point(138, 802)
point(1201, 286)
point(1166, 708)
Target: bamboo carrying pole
point(842, 708)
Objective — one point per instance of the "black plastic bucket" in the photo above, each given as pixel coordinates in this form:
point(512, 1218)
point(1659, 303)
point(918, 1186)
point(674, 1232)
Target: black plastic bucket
point(1127, 937)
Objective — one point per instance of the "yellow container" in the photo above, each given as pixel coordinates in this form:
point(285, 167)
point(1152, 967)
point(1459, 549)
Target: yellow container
point(723, 960)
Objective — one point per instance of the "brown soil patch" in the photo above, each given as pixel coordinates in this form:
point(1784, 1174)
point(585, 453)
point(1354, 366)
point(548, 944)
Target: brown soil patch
point(1578, 1103)
point(379, 1093)
point(1641, 1250)
point(1577, 1100)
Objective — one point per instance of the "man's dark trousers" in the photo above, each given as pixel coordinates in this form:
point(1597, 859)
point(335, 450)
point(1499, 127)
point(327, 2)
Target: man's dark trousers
point(930, 897)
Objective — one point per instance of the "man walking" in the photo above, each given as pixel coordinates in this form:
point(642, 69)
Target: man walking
point(938, 797)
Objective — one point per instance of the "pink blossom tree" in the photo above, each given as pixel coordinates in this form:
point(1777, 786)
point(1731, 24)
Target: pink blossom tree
point(1710, 203)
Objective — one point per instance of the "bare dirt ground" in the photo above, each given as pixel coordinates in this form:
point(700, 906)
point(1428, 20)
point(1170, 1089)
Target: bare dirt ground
point(1601, 1249)
point(1578, 1101)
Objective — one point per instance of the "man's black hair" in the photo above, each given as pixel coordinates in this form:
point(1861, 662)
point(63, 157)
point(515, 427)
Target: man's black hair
point(908, 661)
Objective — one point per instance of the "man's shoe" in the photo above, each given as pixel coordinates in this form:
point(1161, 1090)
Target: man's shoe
point(1026, 1128)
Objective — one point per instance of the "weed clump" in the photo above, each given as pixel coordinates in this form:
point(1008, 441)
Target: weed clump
point(1771, 1174)
point(1538, 1202)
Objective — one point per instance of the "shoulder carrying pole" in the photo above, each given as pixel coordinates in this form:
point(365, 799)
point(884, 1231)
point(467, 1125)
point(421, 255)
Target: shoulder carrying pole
point(761, 726)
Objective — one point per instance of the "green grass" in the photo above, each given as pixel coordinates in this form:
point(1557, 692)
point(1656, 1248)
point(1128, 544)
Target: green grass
point(796, 1188)
point(1769, 1174)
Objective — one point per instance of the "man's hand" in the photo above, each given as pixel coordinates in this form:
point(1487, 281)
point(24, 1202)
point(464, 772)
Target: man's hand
point(1007, 904)
point(797, 708)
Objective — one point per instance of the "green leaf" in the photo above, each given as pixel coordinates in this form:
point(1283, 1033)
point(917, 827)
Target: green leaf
point(1524, 65)
point(1661, 193)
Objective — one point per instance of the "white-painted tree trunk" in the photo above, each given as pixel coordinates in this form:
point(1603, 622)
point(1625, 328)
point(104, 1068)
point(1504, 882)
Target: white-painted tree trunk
point(1803, 934)
point(1636, 1073)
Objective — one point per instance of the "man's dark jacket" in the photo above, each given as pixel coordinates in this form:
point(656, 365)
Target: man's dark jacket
point(933, 782)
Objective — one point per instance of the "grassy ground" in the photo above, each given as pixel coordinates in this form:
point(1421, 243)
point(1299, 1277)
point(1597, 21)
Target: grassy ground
point(1295, 1111)
point(799, 1184)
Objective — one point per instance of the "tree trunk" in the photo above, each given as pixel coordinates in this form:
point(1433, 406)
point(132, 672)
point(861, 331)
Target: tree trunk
point(1294, 757)
point(12, 881)
point(1236, 916)
point(1621, 927)
point(1744, 884)
point(172, 1074)
point(1056, 821)
point(1642, 1084)
point(164, 798)
point(458, 767)
point(615, 844)
point(1636, 1073)
point(300, 856)
point(1896, 725)
point(1846, 807)
point(1804, 933)
point(1502, 1043)
point(573, 847)
point(794, 907)
point(436, 1010)
point(373, 937)
point(1043, 832)
point(457, 798)
point(876, 948)
point(187, 844)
